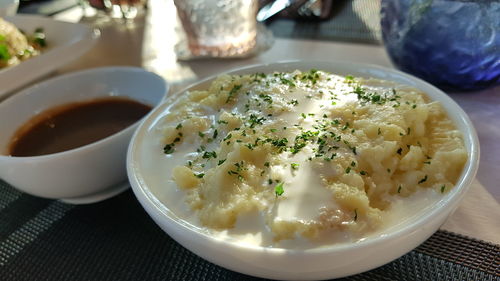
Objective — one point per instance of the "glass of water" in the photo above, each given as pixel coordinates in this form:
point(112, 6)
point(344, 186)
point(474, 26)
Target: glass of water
point(219, 28)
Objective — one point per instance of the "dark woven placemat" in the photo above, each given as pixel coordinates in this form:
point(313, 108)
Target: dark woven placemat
point(351, 21)
point(43, 239)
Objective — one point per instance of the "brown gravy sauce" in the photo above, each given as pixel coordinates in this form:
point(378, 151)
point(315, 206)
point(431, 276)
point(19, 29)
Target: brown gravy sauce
point(76, 124)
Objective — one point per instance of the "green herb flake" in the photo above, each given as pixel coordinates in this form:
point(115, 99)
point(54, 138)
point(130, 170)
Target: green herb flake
point(254, 120)
point(278, 189)
point(355, 214)
point(348, 170)
point(443, 187)
point(399, 151)
point(209, 154)
point(345, 126)
point(287, 82)
point(4, 52)
point(423, 180)
point(399, 189)
point(221, 161)
point(228, 137)
point(363, 173)
point(294, 166)
point(168, 148)
point(200, 175)
point(39, 38)
point(231, 93)
point(375, 98)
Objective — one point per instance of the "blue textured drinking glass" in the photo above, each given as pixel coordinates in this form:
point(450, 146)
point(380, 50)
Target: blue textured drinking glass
point(453, 44)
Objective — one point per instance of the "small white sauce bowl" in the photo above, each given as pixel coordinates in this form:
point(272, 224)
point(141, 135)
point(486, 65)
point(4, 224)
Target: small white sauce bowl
point(330, 261)
point(85, 174)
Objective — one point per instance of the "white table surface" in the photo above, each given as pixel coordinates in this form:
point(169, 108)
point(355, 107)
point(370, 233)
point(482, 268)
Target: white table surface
point(150, 43)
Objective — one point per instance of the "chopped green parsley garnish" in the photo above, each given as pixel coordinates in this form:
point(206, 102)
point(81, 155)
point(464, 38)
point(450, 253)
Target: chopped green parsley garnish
point(294, 166)
point(423, 180)
point(233, 91)
point(209, 154)
point(278, 189)
point(168, 148)
point(4, 52)
point(227, 137)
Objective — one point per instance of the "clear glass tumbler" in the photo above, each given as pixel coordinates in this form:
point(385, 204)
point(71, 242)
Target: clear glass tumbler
point(219, 28)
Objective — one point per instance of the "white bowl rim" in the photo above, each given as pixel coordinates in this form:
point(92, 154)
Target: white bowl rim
point(91, 71)
point(452, 197)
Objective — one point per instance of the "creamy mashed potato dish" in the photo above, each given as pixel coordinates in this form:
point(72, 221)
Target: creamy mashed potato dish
point(303, 158)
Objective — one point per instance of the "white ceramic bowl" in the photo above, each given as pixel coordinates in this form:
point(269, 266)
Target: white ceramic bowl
point(89, 173)
point(318, 263)
point(66, 42)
